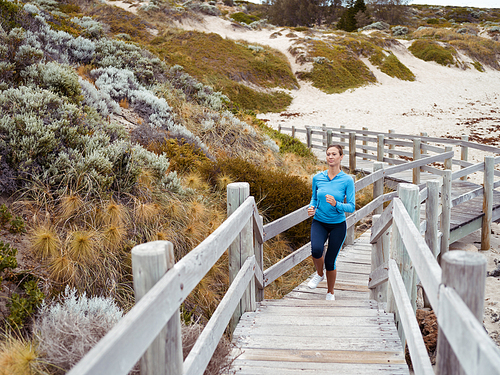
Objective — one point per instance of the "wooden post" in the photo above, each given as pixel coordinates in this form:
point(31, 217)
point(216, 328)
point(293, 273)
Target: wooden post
point(240, 249)
point(432, 216)
point(342, 139)
point(378, 186)
point(464, 154)
point(391, 147)
point(489, 170)
point(279, 128)
point(150, 261)
point(293, 131)
point(380, 255)
point(323, 128)
point(328, 137)
point(259, 259)
point(466, 273)
point(352, 153)
point(416, 156)
point(446, 212)
point(309, 135)
point(448, 163)
point(410, 197)
point(380, 147)
point(423, 151)
point(365, 151)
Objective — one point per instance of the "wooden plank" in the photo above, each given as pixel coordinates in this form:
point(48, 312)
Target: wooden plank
point(475, 350)
point(364, 211)
point(378, 276)
point(425, 264)
point(368, 180)
point(299, 311)
point(243, 367)
point(121, 348)
point(324, 356)
point(418, 352)
point(468, 170)
point(286, 264)
point(286, 222)
point(382, 224)
point(417, 163)
point(258, 228)
point(467, 196)
point(202, 351)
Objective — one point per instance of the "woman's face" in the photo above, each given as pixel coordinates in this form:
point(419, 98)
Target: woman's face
point(333, 156)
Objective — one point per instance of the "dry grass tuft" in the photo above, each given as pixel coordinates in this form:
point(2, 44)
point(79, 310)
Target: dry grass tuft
point(113, 236)
point(83, 245)
point(70, 205)
point(19, 357)
point(146, 212)
point(114, 213)
point(62, 268)
point(45, 241)
point(223, 180)
point(193, 180)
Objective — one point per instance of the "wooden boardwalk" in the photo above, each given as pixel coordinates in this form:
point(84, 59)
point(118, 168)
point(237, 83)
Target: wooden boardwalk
point(303, 333)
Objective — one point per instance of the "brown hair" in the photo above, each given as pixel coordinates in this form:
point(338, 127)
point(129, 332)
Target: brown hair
point(338, 147)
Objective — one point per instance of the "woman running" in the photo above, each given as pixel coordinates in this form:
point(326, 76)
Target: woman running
point(329, 190)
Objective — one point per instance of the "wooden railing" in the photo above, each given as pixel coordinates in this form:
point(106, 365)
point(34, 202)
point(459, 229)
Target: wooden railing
point(150, 331)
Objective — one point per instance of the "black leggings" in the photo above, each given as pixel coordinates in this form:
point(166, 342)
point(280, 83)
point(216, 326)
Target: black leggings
point(335, 233)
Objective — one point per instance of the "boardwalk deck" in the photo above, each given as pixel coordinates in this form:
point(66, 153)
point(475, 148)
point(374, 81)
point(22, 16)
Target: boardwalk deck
point(303, 333)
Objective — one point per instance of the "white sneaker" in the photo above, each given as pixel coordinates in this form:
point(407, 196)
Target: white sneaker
point(313, 283)
point(330, 297)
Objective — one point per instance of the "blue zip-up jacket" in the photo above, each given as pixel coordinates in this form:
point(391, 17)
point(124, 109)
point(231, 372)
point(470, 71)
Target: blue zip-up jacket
point(340, 187)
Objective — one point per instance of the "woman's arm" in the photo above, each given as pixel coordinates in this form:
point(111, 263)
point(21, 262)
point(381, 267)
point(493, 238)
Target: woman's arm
point(350, 197)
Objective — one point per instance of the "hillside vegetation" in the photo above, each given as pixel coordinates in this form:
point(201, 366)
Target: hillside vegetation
point(117, 128)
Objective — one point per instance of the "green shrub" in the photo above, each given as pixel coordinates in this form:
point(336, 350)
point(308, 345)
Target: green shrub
point(390, 65)
point(244, 18)
point(17, 225)
point(338, 71)
point(429, 50)
point(5, 214)
point(11, 15)
point(278, 193)
point(479, 67)
point(7, 257)
point(432, 21)
point(22, 307)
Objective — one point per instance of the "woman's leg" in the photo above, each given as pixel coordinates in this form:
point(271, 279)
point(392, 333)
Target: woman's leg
point(335, 242)
point(319, 235)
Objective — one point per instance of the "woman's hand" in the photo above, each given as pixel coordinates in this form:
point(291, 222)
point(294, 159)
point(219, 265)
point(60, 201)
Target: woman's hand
point(311, 210)
point(330, 199)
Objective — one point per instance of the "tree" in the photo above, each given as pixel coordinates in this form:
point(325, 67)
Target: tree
point(354, 16)
point(391, 11)
point(302, 12)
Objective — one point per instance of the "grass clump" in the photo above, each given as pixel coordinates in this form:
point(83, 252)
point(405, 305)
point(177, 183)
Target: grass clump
point(390, 65)
point(429, 50)
point(19, 356)
point(244, 18)
point(336, 69)
point(207, 57)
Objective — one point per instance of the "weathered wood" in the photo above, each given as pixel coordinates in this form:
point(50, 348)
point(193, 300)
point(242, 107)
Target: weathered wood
point(328, 137)
point(416, 156)
point(468, 170)
point(467, 196)
point(475, 350)
point(379, 256)
point(286, 264)
point(378, 276)
point(465, 272)
point(391, 146)
point(131, 336)
point(150, 261)
point(365, 142)
point(207, 342)
point(489, 166)
point(352, 152)
point(259, 255)
point(342, 139)
point(241, 248)
point(449, 161)
point(378, 186)
point(286, 222)
point(380, 147)
point(368, 180)
point(418, 163)
point(432, 216)
point(364, 211)
point(423, 259)
point(308, 137)
point(446, 212)
point(432, 170)
point(409, 196)
point(382, 225)
point(419, 357)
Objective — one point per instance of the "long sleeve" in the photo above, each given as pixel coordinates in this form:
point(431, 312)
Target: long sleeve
point(350, 195)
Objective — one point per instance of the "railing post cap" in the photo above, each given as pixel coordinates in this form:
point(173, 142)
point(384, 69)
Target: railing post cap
point(237, 185)
point(151, 248)
point(458, 257)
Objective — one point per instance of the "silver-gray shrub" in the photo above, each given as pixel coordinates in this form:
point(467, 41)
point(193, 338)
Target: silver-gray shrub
point(58, 78)
point(98, 99)
point(45, 138)
point(121, 84)
point(399, 30)
point(67, 330)
point(93, 29)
